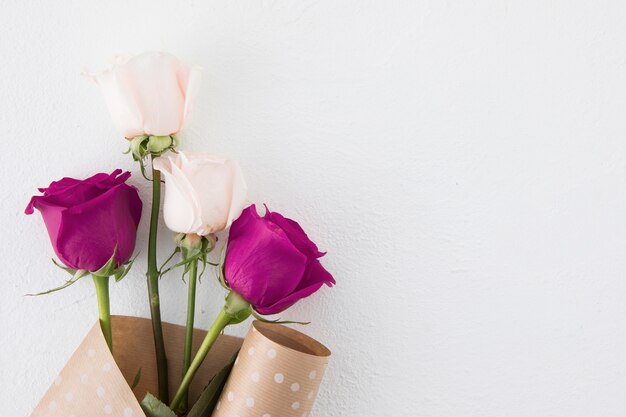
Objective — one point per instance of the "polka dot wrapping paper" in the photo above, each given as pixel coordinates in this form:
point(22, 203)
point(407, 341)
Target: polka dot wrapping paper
point(90, 385)
point(95, 383)
point(277, 374)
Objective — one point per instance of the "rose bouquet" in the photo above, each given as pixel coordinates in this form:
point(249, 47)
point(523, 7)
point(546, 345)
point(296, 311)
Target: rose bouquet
point(266, 265)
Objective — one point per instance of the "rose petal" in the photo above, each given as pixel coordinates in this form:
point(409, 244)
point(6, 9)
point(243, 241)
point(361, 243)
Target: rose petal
point(240, 189)
point(240, 226)
point(52, 216)
point(117, 85)
point(148, 94)
point(67, 191)
point(180, 209)
point(89, 232)
point(158, 92)
point(60, 185)
point(212, 182)
point(67, 183)
point(210, 185)
point(314, 277)
point(190, 84)
point(295, 233)
point(261, 263)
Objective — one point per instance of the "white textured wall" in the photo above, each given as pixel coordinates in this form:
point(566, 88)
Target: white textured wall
point(463, 163)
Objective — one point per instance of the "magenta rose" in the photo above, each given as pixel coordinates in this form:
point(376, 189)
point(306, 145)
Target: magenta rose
point(87, 220)
point(271, 262)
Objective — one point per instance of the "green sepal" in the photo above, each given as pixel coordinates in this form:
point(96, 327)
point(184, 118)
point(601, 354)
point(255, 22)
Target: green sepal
point(191, 253)
point(123, 270)
point(119, 274)
point(77, 275)
point(176, 250)
point(108, 269)
point(159, 144)
point(205, 262)
point(142, 168)
point(208, 244)
point(181, 263)
point(155, 408)
point(138, 147)
point(278, 321)
point(65, 268)
point(143, 145)
point(220, 269)
point(208, 399)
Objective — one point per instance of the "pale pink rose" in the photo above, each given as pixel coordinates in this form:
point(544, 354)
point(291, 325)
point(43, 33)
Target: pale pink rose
point(203, 193)
point(149, 93)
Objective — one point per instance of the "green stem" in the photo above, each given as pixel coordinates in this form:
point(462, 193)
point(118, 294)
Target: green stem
point(153, 289)
point(191, 307)
point(104, 308)
point(218, 325)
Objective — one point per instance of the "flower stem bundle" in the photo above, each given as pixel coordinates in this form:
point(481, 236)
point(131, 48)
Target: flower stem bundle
point(267, 264)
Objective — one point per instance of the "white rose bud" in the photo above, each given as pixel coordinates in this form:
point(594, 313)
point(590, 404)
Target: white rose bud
point(203, 193)
point(148, 94)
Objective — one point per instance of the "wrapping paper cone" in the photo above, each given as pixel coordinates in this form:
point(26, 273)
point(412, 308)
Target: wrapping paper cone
point(95, 383)
point(277, 374)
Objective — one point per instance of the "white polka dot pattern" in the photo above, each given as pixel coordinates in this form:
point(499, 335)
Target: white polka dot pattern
point(90, 384)
point(271, 379)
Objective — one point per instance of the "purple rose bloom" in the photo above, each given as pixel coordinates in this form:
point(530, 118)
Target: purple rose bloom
point(271, 262)
point(88, 219)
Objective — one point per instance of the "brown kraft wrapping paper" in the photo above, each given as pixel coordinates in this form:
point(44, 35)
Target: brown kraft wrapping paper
point(95, 383)
point(276, 374)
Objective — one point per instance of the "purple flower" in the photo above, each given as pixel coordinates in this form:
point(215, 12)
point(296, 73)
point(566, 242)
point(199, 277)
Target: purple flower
point(271, 262)
point(88, 219)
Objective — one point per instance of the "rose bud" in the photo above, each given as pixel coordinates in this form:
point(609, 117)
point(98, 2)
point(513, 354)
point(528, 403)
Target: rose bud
point(271, 262)
point(203, 193)
point(148, 94)
point(88, 220)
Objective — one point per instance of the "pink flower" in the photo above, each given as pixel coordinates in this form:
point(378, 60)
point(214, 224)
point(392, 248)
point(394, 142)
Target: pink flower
point(203, 193)
point(149, 93)
point(89, 219)
point(271, 262)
